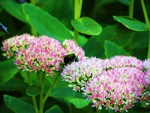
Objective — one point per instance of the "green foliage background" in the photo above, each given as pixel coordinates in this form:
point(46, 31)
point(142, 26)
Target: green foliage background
point(53, 18)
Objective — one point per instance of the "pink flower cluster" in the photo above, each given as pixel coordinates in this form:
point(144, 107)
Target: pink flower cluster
point(146, 94)
point(72, 47)
point(116, 89)
point(146, 65)
point(77, 73)
point(122, 61)
point(39, 54)
point(43, 54)
point(114, 83)
point(16, 43)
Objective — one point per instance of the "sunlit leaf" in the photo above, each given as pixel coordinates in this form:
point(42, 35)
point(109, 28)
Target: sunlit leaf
point(131, 23)
point(78, 102)
point(87, 26)
point(44, 23)
point(111, 49)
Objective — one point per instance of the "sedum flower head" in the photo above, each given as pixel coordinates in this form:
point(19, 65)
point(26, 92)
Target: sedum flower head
point(116, 89)
point(71, 47)
point(78, 73)
point(147, 77)
point(146, 64)
point(15, 44)
point(145, 97)
point(43, 54)
point(122, 61)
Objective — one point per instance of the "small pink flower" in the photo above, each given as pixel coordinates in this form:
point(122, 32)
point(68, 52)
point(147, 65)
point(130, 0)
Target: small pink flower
point(12, 45)
point(77, 73)
point(122, 61)
point(146, 64)
point(71, 47)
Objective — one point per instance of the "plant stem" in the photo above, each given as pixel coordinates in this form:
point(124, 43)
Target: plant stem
point(147, 23)
point(41, 107)
point(33, 97)
point(77, 14)
point(78, 8)
point(33, 31)
point(145, 13)
point(148, 56)
point(110, 111)
point(131, 8)
point(50, 89)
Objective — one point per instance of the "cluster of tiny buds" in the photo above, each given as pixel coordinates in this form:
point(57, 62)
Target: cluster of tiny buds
point(115, 83)
point(15, 44)
point(77, 73)
point(39, 53)
point(145, 97)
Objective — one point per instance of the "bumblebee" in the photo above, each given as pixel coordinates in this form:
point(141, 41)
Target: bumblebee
point(68, 59)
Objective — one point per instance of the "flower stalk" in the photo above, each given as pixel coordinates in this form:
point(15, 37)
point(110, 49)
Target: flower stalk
point(41, 106)
point(50, 89)
point(33, 97)
point(147, 23)
point(77, 14)
point(131, 8)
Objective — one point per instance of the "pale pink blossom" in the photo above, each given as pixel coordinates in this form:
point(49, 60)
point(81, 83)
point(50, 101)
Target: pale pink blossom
point(78, 73)
point(117, 89)
point(12, 45)
point(72, 48)
point(43, 54)
point(122, 61)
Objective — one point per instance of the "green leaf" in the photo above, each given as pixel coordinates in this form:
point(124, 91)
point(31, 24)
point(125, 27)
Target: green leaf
point(95, 45)
point(24, 75)
point(138, 42)
point(8, 71)
point(54, 7)
point(87, 26)
point(132, 24)
point(54, 109)
point(61, 91)
point(17, 105)
point(13, 84)
point(14, 9)
point(82, 40)
point(78, 102)
point(45, 24)
point(33, 90)
point(125, 2)
point(111, 49)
